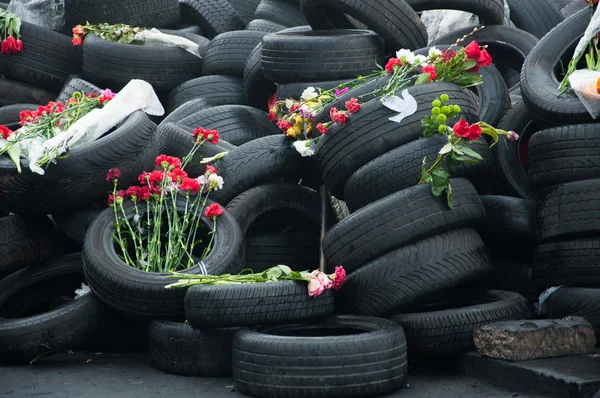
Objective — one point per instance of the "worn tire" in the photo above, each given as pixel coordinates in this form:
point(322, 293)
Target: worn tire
point(47, 60)
point(304, 361)
point(395, 21)
point(490, 12)
point(575, 301)
point(539, 84)
point(254, 304)
point(245, 9)
point(407, 275)
point(369, 133)
point(537, 17)
point(76, 223)
point(397, 220)
point(571, 209)
point(564, 154)
point(10, 114)
point(297, 250)
point(570, 263)
point(283, 12)
point(236, 124)
point(401, 168)
point(217, 90)
point(444, 325)
point(114, 64)
point(257, 88)
point(75, 84)
point(180, 349)
point(319, 55)
point(13, 93)
point(509, 217)
point(186, 109)
point(262, 25)
point(228, 52)
point(213, 16)
point(143, 294)
point(131, 147)
point(34, 331)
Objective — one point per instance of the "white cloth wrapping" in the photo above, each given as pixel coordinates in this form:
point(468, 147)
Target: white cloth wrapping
point(154, 37)
point(584, 83)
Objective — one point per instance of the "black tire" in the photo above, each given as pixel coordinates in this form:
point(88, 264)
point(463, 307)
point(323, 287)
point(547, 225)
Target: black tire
point(257, 87)
point(114, 64)
point(444, 325)
point(217, 90)
point(539, 81)
point(573, 8)
point(38, 329)
point(13, 93)
point(180, 349)
point(510, 276)
point(186, 109)
point(396, 22)
point(339, 208)
point(213, 16)
point(131, 147)
point(369, 133)
point(571, 209)
point(228, 52)
point(245, 9)
point(75, 84)
point(294, 90)
point(568, 263)
point(200, 40)
point(406, 276)
point(509, 47)
point(47, 60)
point(359, 356)
point(262, 25)
point(537, 17)
point(24, 242)
point(574, 301)
point(75, 224)
point(118, 333)
point(397, 220)
point(564, 154)
point(237, 124)
point(490, 12)
point(401, 168)
point(297, 250)
point(187, 28)
point(9, 114)
point(250, 205)
point(512, 175)
point(143, 294)
point(509, 217)
point(257, 162)
point(143, 13)
point(176, 140)
point(283, 12)
point(319, 55)
point(254, 304)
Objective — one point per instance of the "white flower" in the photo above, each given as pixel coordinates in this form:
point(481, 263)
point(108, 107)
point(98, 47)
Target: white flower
point(289, 103)
point(216, 181)
point(201, 180)
point(309, 94)
point(305, 148)
point(85, 289)
point(420, 60)
point(406, 56)
point(434, 53)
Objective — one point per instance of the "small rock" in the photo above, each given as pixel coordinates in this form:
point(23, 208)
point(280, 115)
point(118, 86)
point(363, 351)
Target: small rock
point(534, 339)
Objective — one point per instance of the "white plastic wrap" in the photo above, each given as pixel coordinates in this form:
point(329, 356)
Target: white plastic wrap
point(47, 13)
point(154, 37)
point(584, 83)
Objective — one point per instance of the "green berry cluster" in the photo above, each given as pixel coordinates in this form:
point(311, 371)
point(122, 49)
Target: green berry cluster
point(441, 113)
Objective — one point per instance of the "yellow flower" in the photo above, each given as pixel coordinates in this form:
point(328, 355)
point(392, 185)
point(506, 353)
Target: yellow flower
point(312, 103)
point(298, 119)
point(293, 132)
point(308, 126)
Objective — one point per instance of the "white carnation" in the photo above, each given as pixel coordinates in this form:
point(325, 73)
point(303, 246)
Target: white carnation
point(309, 94)
point(305, 148)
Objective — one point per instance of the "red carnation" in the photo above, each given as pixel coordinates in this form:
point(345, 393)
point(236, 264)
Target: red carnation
point(6, 132)
point(132, 192)
point(190, 185)
point(431, 70)
point(143, 178)
point(484, 58)
point(156, 177)
point(213, 211)
point(462, 129)
point(144, 193)
point(210, 170)
point(168, 162)
point(353, 106)
point(322, 128)
point(338, 116)
point(392, 63)
point(113, 175)
point(284, 125)
point(178, 175)
point(340, 277)
point(448, 55)
point(206, 135)
point(272, 115)
point(77, 40)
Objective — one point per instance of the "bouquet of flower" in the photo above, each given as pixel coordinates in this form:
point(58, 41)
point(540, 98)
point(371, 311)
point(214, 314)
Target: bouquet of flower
point(318, 281)
point(457, 150)
point(10, 26)
point(160, 236)
point(41, 126)
point(119, 33)
point(295, 118)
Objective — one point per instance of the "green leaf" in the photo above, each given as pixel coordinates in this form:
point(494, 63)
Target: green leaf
point(15, 154)
point(492, 133)
point(449, 196)
point(274, 273)
point(470, 153)
point(449, 147)
point(285, 270)
point(469, 64)
point(440, 179)
point(423, 78)
point(473, 77)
